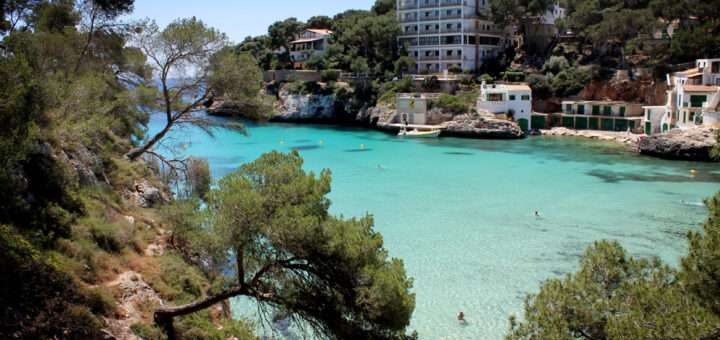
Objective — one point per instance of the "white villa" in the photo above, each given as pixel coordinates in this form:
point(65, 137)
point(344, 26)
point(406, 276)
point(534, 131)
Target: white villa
point(445, 33)
point(513, 99)
point(310, 42)
point(693, 100)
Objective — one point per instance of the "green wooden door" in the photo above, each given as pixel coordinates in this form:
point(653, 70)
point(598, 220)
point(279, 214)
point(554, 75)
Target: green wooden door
point(568, 121)
point(665, 127)
point(581, 109)
point(523, 124)
point(622, 111)
point(607, 111)
point(537, 122)
point(593, 123)
point(648, 128)
point(606, 124)
point(581, 122)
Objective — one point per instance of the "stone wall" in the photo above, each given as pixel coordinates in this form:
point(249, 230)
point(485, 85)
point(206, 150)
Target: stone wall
point(280, 75)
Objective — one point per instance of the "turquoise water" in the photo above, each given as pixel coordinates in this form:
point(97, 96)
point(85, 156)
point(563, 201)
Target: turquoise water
point(459, 212)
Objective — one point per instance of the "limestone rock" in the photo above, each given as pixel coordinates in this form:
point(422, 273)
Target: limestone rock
point(691, 144)
point(305, 107)
point(136, 295)
point(379, 115)
point(481, 127)
point(146, 195)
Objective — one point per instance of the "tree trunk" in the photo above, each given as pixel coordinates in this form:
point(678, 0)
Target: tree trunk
point(164, 314)
point(133, 154)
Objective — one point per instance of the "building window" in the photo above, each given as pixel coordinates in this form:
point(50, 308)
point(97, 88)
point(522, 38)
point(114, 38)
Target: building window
point(525, 97)
point(512, 97)
point(568, 108)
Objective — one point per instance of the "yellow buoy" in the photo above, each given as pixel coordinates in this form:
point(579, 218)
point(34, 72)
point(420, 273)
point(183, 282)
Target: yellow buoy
point(320, 142)
point(692, 172)
point(362, 146)
point(281, 143)
point(185, 146)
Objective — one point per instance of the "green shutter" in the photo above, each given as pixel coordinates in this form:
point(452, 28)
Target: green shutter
point(595, 110)
point(648, 128)
point(622, 111)
point(568, 108)
point(607, 111)
point(581, 109)
point(697, 101)
point(593, 125)
point(512, 97)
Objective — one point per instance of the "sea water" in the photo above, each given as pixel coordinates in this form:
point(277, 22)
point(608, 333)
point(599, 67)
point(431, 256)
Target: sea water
point(460, 212)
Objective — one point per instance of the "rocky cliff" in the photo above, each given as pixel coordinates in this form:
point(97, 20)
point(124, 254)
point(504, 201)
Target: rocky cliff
point(481, 127)
point(694, 144)
point(645, 90)
point(304, 107)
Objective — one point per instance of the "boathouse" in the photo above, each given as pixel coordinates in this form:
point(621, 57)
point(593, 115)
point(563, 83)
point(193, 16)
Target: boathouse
point(602, 115)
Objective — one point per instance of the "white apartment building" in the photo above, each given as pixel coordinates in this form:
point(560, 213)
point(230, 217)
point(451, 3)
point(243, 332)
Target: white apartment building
point(445, 33)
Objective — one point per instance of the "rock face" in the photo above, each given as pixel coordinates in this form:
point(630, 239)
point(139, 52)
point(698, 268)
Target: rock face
point(379, 115)
point(693, 144)
point(146, 195)
point(481, 127)
point(305, 107)
point(629, 139)
point(136, 295)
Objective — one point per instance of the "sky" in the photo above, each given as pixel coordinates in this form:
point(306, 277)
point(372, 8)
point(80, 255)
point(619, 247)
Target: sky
point(241, 18)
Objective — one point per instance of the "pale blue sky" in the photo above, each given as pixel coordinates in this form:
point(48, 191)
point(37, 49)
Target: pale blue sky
point(240, 18)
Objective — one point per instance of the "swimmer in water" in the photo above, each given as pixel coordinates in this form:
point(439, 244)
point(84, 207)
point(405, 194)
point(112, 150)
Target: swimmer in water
point(379, 167)
point(536, 214)
point(461, 318)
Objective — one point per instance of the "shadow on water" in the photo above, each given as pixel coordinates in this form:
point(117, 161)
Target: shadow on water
point(357, 150)
point(459, 153)
point(305, 147)
point(609, 176)
point(227, 160)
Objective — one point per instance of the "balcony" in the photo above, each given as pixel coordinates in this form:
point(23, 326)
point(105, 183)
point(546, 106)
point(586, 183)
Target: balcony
point(482, 31)
point(409, 19)
point(428, 57)
point(452, 30)
point(454, 58)
point(451, 16)
point(407, 6)
point(430, 18)
point(435, 3)
point(431, 31)
point(453, 3)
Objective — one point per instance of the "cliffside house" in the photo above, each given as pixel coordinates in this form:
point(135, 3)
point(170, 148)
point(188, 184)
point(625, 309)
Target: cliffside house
point(516, 100)
point(601, 115)
point(693, 100)
point(310, 42)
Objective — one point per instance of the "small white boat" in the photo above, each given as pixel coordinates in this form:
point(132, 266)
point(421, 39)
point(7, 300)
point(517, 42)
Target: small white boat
point(415, 133)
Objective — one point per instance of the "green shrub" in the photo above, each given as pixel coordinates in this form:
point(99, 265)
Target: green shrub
point(291, 78)
point(424, 71)
point(388, 97)
point(556, 64)
point(148, 332)
point(486, 77)
point(540, 86)
point(431, 83)
point(405, 85)
point(449, 104)
point(330, 75)
point(513, 76)
point(108, 236)
point(455, 69)
point(467, 70)
point(103, 302)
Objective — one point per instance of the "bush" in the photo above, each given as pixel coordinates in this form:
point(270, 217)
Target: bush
point(330, 75)
point(292, 78)
point(147, 332)
point(405, 85)
point(431, 84)
point(556, 64)
point(108, 236)
point(513, 76)
point(424, 71)
point(467, 70)
point(455, 69)
point(540, 86)
point(486, 77)
point(449, 104)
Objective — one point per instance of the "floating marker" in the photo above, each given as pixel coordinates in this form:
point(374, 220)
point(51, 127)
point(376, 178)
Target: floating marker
point(362, 146)
point(320, 142)
point(281, 143)
point(185, 146)
point(692, 172)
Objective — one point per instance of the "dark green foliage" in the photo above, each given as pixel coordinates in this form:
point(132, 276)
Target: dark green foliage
point(39, 301)
point(319, 22)
point(281, 33)
point(555, 65)
point(614, 296)
point(540, 85)
point(316, 62)
point(293, 255)
point(404, 64)
point(405, 85)
point(424, 71)
point(513, 76)
point(146, 332)
point(449, 104)
point(455, 69)
point(467, 70)
point(330, 75)
point(701, 267)
point(431, 83)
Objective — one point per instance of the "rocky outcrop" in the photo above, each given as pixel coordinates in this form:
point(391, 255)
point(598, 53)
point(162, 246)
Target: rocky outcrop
point(136, 298)
point(692, 144)
point(146, 195)
point(481, 127)
point(645, 90)
point(305, 107)
point(379, 115)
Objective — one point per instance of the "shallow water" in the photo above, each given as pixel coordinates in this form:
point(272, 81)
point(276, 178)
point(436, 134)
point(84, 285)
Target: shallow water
point(459, 212)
